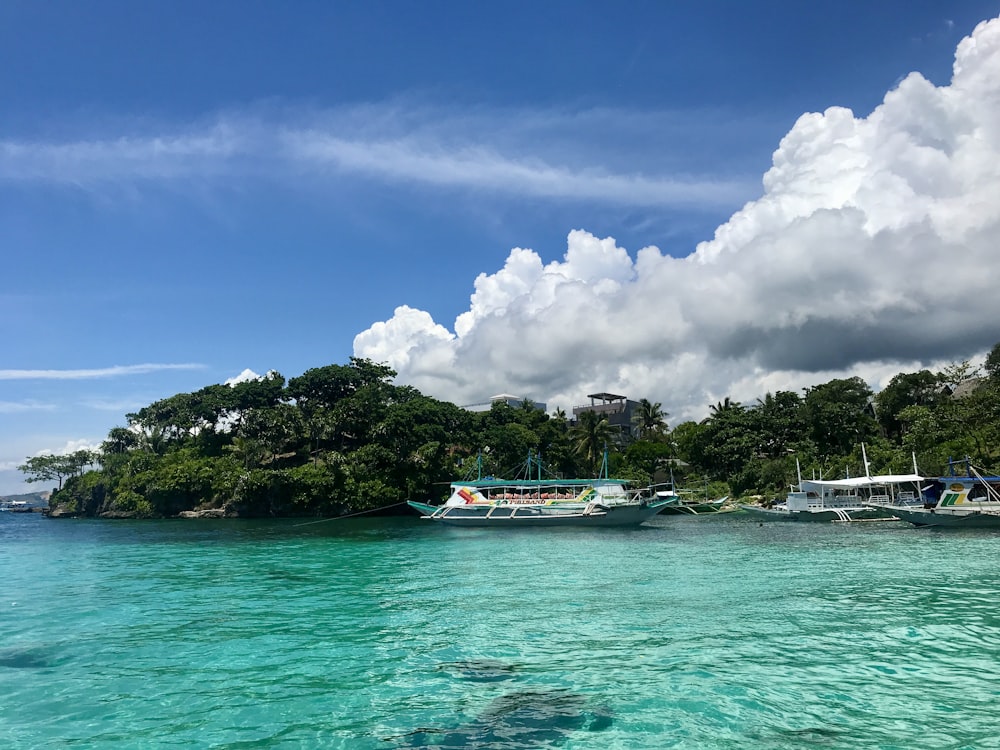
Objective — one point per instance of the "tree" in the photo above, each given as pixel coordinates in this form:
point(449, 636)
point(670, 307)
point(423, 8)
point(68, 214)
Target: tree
point(591, 435)
point(777, 421)
point(992, 364)
point(957, 373)
point(724, 406)
point(726, 441)
point(905, 389)
point(48, 467)
point(838, 415)
point(647, 457)
point(649, 419)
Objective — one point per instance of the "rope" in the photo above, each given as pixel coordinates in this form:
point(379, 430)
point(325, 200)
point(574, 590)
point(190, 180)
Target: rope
point(349, 515)
point(990, 492)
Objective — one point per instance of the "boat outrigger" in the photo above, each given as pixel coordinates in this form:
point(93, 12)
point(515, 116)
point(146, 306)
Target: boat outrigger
point(864, 498)
point(543, 502)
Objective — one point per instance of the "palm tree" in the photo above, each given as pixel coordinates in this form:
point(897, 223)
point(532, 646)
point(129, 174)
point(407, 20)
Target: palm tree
point(723, 406)
point(649, 419)
point(590, 435)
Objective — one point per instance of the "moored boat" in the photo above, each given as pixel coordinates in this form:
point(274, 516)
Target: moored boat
point(679, 504)
point(854, 499)
point(969, 500)
point(526, 502)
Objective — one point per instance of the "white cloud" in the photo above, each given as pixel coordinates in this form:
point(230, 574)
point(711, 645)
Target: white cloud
point(248, 375)
point(11, 407)
point(243, 377)
point(563, 155)
point(103, 372)
point(70, 446)
point(872, 251)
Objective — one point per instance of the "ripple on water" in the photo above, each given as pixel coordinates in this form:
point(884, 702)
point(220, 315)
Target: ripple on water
point(690, 633)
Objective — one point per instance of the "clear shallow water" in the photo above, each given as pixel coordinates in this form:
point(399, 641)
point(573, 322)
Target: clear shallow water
point(708, 632)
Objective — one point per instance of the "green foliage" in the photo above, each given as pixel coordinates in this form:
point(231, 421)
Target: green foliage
point(725, 442)
point(992, 364)
point(591, 436)
point(650, 420)
point(48, 467)
point(646, 458)
point(906, 389)
point(838, 415)
point(343, 439)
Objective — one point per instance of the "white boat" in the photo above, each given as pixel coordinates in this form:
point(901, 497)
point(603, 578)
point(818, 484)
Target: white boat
point(15, 506)
point(491, 502)
point(855, 499)
point(967, 501)
point(865, 498)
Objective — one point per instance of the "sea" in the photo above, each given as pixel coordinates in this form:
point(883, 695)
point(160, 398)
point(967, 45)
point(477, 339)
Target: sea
point(688, 632)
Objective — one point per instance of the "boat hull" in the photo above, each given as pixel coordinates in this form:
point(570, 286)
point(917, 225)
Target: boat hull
point(539, 516)
point(943, 517)
point(689, 509)
point(825, 515)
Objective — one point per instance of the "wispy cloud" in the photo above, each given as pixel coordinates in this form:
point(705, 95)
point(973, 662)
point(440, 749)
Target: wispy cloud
point(485, 168)
point(120, 406)
point(546, 154)
point(104, 372)
point(12, 407)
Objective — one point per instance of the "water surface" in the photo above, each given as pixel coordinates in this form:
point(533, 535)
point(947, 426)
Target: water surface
point(690, 632)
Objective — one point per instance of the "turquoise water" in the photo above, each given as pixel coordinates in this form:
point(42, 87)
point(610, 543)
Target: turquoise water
point(707, 632)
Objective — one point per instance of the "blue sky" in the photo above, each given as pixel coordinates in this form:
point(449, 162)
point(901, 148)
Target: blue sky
point(191, 190)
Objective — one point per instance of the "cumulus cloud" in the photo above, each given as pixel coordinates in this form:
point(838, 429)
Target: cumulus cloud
point(244, 377)
point(247, 375)
point(872, 250)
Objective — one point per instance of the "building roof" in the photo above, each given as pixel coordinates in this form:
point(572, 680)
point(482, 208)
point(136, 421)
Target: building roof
point(606, 396)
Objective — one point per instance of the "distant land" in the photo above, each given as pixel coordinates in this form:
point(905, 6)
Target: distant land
point(31, 498)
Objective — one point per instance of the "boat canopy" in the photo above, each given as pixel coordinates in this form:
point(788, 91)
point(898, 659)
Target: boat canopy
point(536, 483)
point(859, 482)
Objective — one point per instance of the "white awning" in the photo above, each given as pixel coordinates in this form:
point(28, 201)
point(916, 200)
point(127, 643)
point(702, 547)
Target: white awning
point(856, 482)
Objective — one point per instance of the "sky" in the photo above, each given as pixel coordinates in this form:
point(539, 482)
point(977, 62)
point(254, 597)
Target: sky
point(679, 201)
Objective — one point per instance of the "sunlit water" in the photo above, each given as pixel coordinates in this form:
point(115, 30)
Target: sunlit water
point(707, 632)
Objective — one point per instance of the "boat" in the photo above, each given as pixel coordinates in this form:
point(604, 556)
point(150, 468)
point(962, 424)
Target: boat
point(685, 504)
point(970, 500)
point(15, 506)
point(855, 499)
point(543, 502)
point(865, 498)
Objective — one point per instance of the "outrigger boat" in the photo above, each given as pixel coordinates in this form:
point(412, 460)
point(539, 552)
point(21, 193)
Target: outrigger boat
point(864, 498)
point(539, 502)
point(969, 501)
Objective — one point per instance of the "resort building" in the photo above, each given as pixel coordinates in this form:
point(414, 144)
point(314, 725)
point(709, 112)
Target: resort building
point(618, 410)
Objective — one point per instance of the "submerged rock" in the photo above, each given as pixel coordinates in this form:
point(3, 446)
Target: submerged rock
point(523, 719)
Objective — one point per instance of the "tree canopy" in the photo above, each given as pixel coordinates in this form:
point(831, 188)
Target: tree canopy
point(344, 438)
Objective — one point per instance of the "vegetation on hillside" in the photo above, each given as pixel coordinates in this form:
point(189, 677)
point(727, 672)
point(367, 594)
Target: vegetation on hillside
point(343, 438)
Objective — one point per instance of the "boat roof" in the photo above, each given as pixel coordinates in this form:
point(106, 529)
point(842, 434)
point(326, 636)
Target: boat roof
point(537, 482)
point(856, 482)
